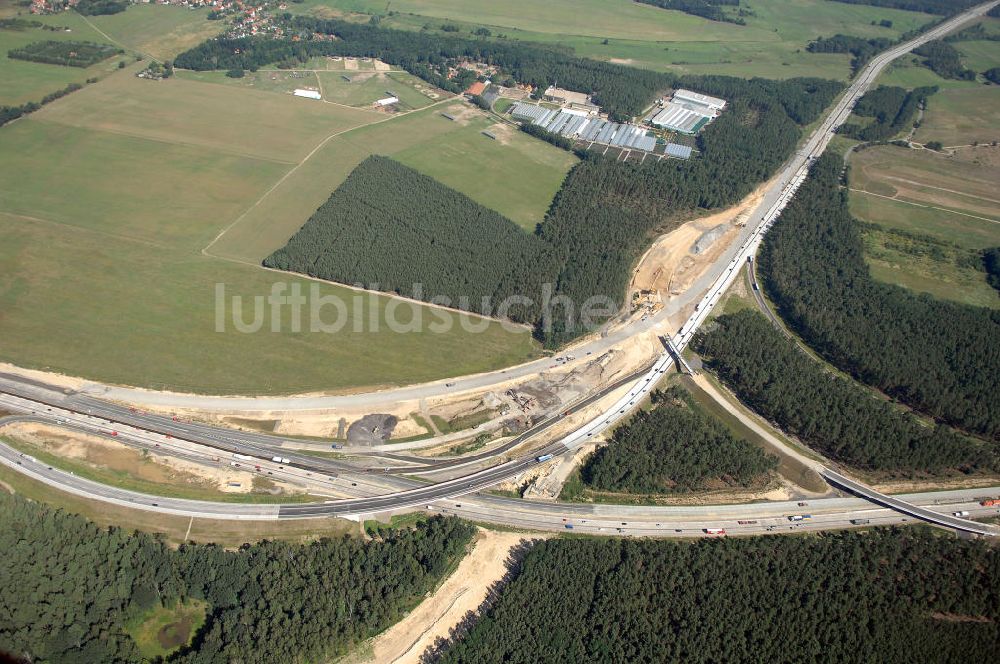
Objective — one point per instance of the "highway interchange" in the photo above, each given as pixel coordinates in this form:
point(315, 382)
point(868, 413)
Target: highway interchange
point(373, 490)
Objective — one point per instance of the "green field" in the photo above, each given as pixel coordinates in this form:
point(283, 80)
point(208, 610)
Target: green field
point(110, 195)
point(158, 31)
point(246, 122)
point(771, 44)
point(426, 141)
point(959, 116)
point(515, 175)
point(366, 87)
point(950, 200)
point(162, 630)
point(175, 529)
point(24, 81)
point(924, 266)
point(979, 56)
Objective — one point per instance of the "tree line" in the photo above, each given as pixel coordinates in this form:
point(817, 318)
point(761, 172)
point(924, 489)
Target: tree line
point(620, 90)
point(940, 7)
point(68, 588)
point(101, 7)
point(862, 49)
point(892, 110)
point(11, 113)
point(674, 448)
point(941, 358)
point(944, 60)
point(887, 595)
point(707, 9)
point(68, 53)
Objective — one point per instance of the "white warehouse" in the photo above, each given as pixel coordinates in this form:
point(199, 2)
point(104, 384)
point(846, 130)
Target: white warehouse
point(696, 99)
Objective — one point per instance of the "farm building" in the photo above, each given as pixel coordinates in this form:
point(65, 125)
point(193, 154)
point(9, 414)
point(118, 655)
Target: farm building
point(680, 119)
point(308, 94)
point(678, 151)
point(576, 124)
point(696, 99)
point(576, 100)
point(388, 101)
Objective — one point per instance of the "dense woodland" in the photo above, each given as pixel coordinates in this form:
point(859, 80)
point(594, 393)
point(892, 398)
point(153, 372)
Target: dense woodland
point(862, 49)
point(840, 419)
point(883, 596)
point(710, 9)
point(68, 53)
point(601, 218)
point(944, 60)
point(892, 110)
point(942, 358)
point(68, 588)
point(674, 448)
point(941, 7)
point(991, 263)
point(101, 7)
point(622, 91)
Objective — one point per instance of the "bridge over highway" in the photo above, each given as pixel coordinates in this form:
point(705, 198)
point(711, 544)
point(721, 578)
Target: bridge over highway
point(922, 513)
point(402, 493)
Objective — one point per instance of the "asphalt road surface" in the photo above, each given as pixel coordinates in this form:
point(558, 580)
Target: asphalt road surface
point(402, 493)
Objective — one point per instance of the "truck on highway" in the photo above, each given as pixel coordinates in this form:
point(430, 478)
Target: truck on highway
point(569, 526)
point(714, 531)
point(747, 523)
point(278, 459)
point(960, 514)
point(244, 457)
point(799, 517)
point(860, 522)
point(543, 458)
point(990, 502)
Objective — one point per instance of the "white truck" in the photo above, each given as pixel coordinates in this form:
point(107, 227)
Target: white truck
point(278, 459)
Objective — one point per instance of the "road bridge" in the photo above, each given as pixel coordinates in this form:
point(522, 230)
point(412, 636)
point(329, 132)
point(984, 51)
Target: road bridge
point(922, 513)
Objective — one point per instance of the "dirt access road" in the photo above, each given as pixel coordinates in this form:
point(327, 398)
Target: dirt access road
point(463, 591)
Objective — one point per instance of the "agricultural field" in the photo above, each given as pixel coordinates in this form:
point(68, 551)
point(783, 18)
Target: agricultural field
point(454, 152)
point(977, 55)
point(108, 199)
point(772, 44)
point(365, 88)
point(25, 81)
point(157, 31)
point(259, 125)
point(932, 215)
point(467, 160)
point(961, 116)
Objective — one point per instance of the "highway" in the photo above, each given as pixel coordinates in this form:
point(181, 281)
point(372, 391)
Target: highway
point(688, 521)
point(397, 493)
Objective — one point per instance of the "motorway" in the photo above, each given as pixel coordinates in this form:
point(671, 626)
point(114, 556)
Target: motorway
point(383, 492)
point(686, 521)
